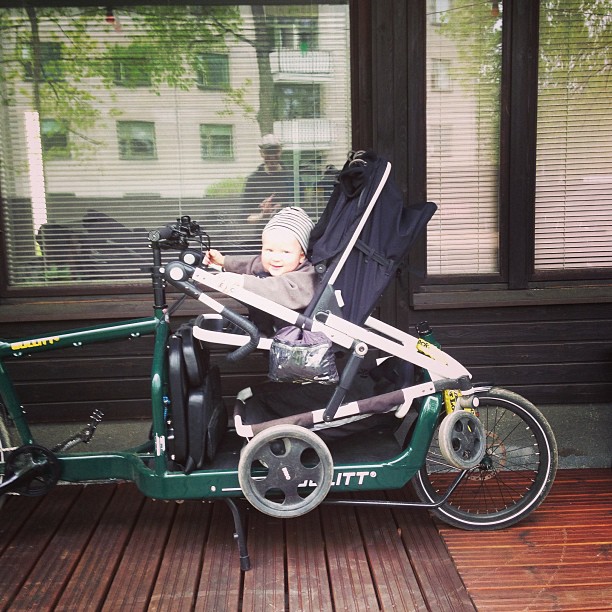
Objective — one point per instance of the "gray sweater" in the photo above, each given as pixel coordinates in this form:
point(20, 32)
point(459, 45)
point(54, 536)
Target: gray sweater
point(294, 289)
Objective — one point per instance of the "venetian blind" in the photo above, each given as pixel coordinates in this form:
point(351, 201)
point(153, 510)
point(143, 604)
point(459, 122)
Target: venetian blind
point(463, 91)
point(120, 120)
point(574, 146)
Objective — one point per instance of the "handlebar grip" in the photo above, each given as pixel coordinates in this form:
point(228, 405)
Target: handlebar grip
point(249, 327)
point(162, 233)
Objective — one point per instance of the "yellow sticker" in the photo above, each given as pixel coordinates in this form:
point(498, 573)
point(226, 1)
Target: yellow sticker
point(28, 344)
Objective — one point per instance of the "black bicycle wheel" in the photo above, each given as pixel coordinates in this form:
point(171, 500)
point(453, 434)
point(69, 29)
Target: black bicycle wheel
point(7, 443)
point(512, 479)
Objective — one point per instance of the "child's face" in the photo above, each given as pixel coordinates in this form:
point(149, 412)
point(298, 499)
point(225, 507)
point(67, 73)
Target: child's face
point(280, 252)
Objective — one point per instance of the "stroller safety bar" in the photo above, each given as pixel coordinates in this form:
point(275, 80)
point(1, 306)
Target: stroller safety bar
point(437, 362)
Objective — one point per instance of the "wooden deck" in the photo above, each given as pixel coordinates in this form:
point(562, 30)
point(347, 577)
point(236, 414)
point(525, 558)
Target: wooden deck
point(105, 547)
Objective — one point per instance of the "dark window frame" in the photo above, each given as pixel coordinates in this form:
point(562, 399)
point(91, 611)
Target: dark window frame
point(405, 143)
point(517, 279)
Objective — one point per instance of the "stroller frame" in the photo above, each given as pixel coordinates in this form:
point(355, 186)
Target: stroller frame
point(421, 448)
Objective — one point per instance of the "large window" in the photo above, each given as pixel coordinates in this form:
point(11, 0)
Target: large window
point(573, 228)
point(495, 222)
point(463, 121)
point(159, 113)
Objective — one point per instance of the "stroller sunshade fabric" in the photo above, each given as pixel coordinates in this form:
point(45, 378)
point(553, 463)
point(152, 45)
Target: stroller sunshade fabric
point(385, 239)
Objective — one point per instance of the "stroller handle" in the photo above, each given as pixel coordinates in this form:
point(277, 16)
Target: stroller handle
point(178, 274)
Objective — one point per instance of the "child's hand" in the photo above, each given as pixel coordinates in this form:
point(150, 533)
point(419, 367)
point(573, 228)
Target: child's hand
point(228, 280)
point(214, 257)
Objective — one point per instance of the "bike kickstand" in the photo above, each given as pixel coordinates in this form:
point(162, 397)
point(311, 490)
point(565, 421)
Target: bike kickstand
point(245, 562)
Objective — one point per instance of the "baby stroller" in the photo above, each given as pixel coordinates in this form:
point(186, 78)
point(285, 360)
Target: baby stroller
point(400, 409)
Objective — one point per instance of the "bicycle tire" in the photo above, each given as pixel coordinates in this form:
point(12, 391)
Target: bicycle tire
point(7, 443)
point(513, 478)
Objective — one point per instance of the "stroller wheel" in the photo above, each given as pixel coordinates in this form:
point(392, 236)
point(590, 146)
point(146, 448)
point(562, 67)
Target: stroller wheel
point(285, 471)
point(514, 476)
point(462, 439)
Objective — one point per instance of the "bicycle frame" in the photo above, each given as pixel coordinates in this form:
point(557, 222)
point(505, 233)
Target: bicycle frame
point(148, 465)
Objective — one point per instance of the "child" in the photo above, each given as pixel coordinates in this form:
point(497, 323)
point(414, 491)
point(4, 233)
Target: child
point(281, 272)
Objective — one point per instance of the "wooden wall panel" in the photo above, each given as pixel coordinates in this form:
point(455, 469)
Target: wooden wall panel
point(552, 355)
point(114, 377)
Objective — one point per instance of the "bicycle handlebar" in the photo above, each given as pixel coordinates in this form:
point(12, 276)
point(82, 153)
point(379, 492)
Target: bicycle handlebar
point(178, 274)
point(177, 235)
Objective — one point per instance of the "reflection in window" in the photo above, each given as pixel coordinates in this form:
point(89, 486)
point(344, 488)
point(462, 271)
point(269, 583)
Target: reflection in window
point(573, 228)
point(217, 141)
point(213, 71)
point(295, 27)
point(436, 10)
point(156, 124)
point(131, 72)
point(463, 117)
point(296, 34)
point(136, 140)
point(54, 139)
point(440, 74)
point(297, 101)
point(50, 61)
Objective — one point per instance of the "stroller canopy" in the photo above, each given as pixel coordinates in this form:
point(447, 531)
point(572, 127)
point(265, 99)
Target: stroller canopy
point(363, 235)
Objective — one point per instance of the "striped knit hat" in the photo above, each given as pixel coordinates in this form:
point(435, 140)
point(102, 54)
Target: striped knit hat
point(294, 220)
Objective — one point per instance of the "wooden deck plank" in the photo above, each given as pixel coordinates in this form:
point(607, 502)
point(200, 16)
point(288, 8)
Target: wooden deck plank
point(351, 582)
point(24, 550)
point(176, 584)
point(110, 547)
point(441, 583)
point(46, 580)
point(102, 554)
point(560, 558)
point(396, 583)
point(11, 521)
point(572, 599)
point(307, 577)
point(134, 580)
point(220, 586)
point(264, 585)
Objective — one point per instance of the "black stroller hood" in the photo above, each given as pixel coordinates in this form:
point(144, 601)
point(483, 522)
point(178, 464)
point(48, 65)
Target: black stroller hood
point(383, 242)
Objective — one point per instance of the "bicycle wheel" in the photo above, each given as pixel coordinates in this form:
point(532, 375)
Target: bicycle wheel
point(512, 479)
point(7, 442)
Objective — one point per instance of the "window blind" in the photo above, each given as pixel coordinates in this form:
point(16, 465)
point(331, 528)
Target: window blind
point(120, 120)
point(463, 92)
point(574, 139)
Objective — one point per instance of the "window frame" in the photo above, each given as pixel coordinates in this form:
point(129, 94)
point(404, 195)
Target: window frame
point(219, 127)
point(130, 156)
point(50, 152)
point(203, 58)
point(115, 291)
point(517, 280)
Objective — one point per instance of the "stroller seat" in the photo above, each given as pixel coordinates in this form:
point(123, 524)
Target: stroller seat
point(357, 245)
